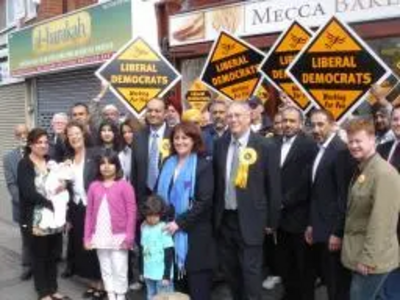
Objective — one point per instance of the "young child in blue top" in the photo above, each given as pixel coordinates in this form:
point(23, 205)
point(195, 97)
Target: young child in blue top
point(158, 249)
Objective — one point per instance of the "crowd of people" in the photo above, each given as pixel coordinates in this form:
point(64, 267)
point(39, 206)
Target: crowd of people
point(175, 201)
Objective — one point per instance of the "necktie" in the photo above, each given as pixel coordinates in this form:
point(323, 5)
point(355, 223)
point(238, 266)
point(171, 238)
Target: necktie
point(152, 173)
point(231, 201)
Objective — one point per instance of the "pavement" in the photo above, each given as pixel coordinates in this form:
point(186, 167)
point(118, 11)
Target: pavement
point(12, 288)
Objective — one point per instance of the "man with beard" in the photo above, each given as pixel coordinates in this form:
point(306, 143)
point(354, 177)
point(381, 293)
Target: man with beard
point(297, 155)
point(381, 116)
point(331, 173)
point(212, 132)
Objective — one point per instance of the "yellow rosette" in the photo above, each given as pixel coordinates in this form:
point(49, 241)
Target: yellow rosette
point(247, 157)
point(164, 148)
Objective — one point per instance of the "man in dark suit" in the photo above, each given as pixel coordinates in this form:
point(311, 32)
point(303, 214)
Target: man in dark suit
point(260, 122)
point(147, 154)
point(243, 209)
point(10, 166)
point(297, 155)
point(390, 151)
point(214, 131)
point(331, 173)
point(57, 150)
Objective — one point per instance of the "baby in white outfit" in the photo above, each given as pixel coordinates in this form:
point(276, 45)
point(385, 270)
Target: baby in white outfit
point(59, 174)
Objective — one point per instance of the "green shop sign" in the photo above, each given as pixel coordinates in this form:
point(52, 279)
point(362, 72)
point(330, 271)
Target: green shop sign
point(84, 37)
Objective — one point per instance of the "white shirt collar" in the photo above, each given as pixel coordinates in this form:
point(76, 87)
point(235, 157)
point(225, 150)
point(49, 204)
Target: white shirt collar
point(289, 140)
point(325, 144)
point(243, 139)
point(256, 127)
point(160, 131)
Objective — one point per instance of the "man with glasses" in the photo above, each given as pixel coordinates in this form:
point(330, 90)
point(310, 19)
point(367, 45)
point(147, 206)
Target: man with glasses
point(247, 201)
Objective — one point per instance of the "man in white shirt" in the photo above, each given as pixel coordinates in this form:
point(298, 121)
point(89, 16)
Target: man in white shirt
point(297, 155)
point(331, 173)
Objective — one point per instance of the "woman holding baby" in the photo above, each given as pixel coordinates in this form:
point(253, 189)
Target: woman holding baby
point(32, 176)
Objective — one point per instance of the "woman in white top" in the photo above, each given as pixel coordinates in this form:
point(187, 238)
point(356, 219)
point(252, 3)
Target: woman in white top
point(127, 129)
point(81, 262)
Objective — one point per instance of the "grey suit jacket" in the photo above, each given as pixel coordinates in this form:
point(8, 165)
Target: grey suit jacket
point(10, 166)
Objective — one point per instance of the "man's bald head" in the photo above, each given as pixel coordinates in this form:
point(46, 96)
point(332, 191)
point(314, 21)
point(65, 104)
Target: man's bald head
point(21, 133)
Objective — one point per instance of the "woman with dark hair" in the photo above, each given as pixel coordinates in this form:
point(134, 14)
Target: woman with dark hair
point(127, 129)
point(32, 176)
point(81, 262)
point(109, 136)
point(186, 183)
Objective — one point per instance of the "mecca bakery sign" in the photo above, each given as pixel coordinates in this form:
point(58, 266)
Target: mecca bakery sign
point(84, 37)
point(271, 16)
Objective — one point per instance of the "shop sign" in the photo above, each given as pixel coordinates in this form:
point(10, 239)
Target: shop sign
point(278, 59)
point(137, 73)
point(198, 96)
point(336, 69)
point(83, 37)
point(257, 17)
point(5, 77)
point(231, 68)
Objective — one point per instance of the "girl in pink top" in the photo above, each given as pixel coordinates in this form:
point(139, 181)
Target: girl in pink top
point(110, 223)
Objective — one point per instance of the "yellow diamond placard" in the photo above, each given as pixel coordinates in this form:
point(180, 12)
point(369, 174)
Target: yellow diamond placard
point(231, 68)
point(138, 73)
point(262, 91)
point(281, 54)
point(198, 96)
point(337, 68)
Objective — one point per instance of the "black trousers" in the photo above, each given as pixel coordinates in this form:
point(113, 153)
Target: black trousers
point(197, 284)
point(45, 253)
point(294, 260)
point(83, 262)
point(335, 276)
point(270, 256)
point(26, 247)
point(241, 263)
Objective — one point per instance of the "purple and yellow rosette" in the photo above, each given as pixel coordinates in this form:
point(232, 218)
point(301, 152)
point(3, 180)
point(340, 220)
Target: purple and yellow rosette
point(247, 157)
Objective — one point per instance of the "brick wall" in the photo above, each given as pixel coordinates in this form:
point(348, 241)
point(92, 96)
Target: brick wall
point(52, 8)
point(76, 4)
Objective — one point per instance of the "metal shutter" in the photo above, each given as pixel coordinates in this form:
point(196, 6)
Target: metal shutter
point(58, 92)
point(12, 112)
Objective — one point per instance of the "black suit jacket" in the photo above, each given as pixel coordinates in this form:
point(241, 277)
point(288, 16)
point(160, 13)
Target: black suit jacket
point(259, 202)
point(384, 151)
point(296, 182)
point(197, 221)
point(329, 191)
point(57, 149)
point(140, 161)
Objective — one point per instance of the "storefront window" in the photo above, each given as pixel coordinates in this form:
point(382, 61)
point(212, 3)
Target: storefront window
point(15, 10)
point(389, 50)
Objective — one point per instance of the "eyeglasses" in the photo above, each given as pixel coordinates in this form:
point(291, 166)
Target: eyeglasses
point(237, 115)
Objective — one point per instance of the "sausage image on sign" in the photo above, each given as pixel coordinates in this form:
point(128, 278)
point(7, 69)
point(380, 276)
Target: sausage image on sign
point(192, 28)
